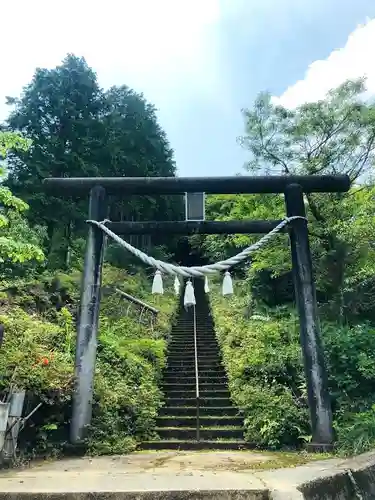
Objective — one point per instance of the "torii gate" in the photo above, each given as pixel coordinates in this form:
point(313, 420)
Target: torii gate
point(293, 188)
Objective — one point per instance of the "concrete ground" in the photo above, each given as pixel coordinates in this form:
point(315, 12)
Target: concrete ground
point(146, 472)
point(183, 475)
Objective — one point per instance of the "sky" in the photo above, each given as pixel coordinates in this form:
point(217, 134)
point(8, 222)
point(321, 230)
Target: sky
point(198, 61)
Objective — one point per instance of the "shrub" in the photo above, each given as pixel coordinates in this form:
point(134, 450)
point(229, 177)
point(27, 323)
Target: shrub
point(273, 417)
point(38, 355)
point(356, 432)
point(31, 357)
point(263, 361)
point(349, 353)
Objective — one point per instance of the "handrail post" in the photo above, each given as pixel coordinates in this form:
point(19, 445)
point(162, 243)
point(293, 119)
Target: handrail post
point(196, 370)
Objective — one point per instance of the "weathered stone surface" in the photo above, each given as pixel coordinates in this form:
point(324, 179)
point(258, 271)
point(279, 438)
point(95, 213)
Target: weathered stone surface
point(362, 472)
point(151, 495)
point(336, 487)
point(191, 476)
point(333, 479)
point(143, 476)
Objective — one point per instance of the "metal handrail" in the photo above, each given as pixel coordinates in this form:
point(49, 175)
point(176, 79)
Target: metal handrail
point(139, 302)
point(196, 371)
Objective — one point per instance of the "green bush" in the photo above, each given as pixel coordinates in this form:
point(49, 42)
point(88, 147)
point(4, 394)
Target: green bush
point(38, 355)
point(273, 417)
point(263, 360)
point(356, 432)
point(30, 357)
point(349, 353)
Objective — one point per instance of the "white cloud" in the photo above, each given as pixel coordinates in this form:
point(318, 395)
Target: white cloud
point(352, 61)
point(165, 48)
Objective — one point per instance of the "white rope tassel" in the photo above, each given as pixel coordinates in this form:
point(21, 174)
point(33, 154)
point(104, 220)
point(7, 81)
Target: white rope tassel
point(227, 284)
point(157, 284)
point(176, 285)
point(189, 297)
point(206, 287)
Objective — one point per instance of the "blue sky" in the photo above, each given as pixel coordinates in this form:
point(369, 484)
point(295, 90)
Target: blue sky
point(198, 61)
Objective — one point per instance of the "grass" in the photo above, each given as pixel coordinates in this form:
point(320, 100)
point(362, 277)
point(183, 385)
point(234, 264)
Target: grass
point(235, 461)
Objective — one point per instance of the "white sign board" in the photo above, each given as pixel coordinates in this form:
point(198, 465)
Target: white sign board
point(194, 206)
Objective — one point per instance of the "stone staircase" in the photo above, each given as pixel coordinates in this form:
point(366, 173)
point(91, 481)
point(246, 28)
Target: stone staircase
point(220, 425)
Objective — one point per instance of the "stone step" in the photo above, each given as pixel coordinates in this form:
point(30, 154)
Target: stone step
point(190, 349)
point(185, 368)
point(189, 345)
point(190, 366)
point(191, 411)
point(203, 402)
point(174, 444)
point(188, 328)
point(188, 375)
point(202, 365)
point(191, 352)
point(180, 358)
point(204, 393)
point(188, 325)
point(185, 340)
point(201, 313)
point(191, 386)
point(190, 421)
point(203, 330)
point(175, 378)
point(202, 336)
point(205, 434)
point(189, 341)
point(188, 359)
point(189, 372)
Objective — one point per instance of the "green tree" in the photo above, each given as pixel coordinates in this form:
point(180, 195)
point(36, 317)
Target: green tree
point(11, 141)
point(79, 130)
point(18, 242)
point(136, 146)
point(332, 136)
point(58, 112)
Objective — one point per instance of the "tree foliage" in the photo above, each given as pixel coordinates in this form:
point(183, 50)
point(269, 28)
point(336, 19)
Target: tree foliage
point(12, 141)
point(78, 130)
point(331, 136)
point(18, 242)
point(335, 135)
